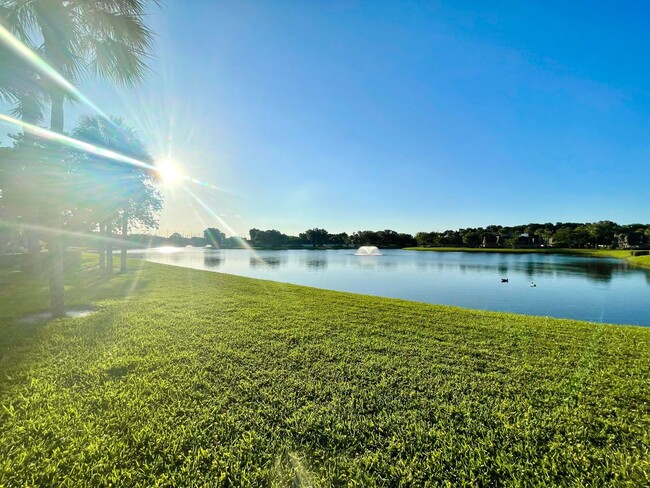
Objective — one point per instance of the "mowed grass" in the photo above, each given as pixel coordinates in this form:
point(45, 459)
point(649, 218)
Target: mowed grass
point(192, 378)
point(640, 261)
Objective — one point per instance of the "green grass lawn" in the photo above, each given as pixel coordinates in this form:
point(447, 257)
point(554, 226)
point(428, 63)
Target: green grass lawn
point(192, 378)
point(640, 260)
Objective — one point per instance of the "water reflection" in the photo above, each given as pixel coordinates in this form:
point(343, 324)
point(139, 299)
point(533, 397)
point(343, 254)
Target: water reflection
point(175, 257)
point(374, 262)
point(317, 263)
point(212, 260)
point(602, 270)
point(271, 262)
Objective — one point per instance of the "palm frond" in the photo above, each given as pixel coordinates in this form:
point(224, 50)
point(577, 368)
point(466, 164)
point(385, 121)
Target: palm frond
point(18, 17)
point(21, 86)
point(107, 38)
point(116, 60)
point(30, 107)
point(61, 37)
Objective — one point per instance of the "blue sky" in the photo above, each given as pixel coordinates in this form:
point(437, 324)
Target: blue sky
point(413, 116)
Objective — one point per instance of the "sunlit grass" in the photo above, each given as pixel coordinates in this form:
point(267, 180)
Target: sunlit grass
point(198, 378)
point(640, 261)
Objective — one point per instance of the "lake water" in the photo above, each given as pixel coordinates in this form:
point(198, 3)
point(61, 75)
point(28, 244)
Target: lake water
point(594, 289)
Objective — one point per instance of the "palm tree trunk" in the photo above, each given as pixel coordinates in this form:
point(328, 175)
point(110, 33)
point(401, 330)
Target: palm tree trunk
point(56, 117)
point(102, 247)
point(57, 290)
point(125, 230)
point(109, 248)
point(34, 253)
point(34, 263)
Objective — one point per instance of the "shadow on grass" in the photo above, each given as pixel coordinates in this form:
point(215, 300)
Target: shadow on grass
point(22, 295)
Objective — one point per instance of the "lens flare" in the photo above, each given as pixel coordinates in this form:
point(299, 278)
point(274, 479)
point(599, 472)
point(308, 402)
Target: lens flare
point(74, 143)
point(103, 152)
point(45, 69)
point(169, 173)
point(224, 225)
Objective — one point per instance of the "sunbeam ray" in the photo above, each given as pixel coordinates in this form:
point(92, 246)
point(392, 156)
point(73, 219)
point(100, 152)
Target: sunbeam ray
point(100, 151)
point(136, 279)
point(56, 231)
point(44, 68)
point(225, 225)
point(48, 71)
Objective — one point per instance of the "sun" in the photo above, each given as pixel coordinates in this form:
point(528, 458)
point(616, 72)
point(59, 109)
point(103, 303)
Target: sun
point(168, 173)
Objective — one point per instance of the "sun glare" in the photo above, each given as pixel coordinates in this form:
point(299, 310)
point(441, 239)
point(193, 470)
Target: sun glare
point(168, 172)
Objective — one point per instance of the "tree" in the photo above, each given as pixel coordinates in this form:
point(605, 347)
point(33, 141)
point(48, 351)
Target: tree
point(20, 85)
point(544, 233)
point(364, 238)
point(341, 239)
point(115, 189)
point(471, 238)
point(564, 237)
point(75, 37)
point(214, 237)
point(602, 232)
point(176, 239)
point(451, 238)
point(511, 241)
point(388, 238)
point(581, 236)
point(316, 236)
point(36, 188)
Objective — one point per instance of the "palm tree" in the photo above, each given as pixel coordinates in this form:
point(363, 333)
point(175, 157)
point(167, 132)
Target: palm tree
point(21, 87)
point(114, 189)
point(107, 38)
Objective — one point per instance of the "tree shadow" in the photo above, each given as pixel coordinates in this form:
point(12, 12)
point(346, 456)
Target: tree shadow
point(22, 295)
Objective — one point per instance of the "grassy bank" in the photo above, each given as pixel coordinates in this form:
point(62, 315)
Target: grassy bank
point(640, 261)
point(186, 377)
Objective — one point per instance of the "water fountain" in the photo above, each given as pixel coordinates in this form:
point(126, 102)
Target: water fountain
point(368, 251)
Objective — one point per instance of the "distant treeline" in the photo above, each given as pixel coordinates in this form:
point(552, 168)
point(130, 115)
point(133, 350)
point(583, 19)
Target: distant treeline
point(320, 237)
point(603, 234)
point(275, 239)
point(272, 238)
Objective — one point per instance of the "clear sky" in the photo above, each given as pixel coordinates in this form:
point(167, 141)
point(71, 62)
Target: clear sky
point(413, 116)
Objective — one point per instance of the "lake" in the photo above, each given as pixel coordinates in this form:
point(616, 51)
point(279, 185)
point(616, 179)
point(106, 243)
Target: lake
point(594, 289)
